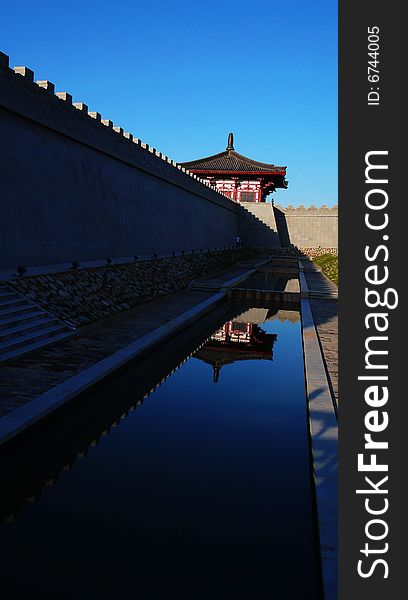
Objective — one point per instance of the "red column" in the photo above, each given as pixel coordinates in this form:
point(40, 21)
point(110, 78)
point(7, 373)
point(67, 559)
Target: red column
point(260, 190)
point(235, 192)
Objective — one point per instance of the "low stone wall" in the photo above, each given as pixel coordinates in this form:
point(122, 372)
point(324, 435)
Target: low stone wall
point(295, 251)
point(285, 251)
point(314, 252)
point(79, 297)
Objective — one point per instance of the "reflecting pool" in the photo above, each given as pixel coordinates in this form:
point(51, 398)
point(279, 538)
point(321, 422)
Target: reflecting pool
point(203, 491)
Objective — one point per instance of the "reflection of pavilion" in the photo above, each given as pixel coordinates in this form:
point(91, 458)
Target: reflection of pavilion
point(236, 341)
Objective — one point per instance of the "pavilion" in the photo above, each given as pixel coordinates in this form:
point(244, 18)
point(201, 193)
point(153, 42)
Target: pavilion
point(237, 176)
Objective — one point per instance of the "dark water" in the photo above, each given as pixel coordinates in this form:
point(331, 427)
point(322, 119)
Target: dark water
point(204, 491)
point(267, 280)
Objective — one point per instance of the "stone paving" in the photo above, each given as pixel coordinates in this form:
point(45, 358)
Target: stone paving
point(324, 306)
point(217, 281)
point(319, 285)
point(325, 318)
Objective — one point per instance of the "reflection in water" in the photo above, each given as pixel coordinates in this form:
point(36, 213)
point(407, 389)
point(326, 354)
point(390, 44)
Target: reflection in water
point(202, 483)
point(238, 340)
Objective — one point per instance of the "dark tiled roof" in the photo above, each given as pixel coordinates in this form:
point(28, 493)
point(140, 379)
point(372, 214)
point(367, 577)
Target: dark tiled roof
point(229, 160)
point(220, 356)
point(224, 352)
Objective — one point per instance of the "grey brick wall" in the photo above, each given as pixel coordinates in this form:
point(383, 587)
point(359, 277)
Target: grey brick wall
point(308, 227)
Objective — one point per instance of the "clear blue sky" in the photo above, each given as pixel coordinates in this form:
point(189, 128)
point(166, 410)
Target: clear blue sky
point(180, 75)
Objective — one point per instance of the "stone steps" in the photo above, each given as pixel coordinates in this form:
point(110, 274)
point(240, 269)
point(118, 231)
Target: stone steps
point(259, 226)
point(16, 353)
point(4, 293)
point(25, 317)
point(6, 312)
point(323, 295)
point(265, 218)
point(11, 302)
point(17, 341)
point(25, 327)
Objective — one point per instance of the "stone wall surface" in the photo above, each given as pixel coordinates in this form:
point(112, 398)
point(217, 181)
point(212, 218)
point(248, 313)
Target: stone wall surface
point(319, 251)
point(308, 227)
point(257, 224)
point(73, 187)
point(79, 297)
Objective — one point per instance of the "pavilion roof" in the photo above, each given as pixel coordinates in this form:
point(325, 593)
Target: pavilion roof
point(226, 355)
point(231, 161)
point(218, 352)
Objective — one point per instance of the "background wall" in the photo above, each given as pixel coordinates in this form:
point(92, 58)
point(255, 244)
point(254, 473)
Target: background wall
point(307, 227)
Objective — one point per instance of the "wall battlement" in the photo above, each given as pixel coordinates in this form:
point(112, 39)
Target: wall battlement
point(299, 211)
point(39, 101)
point(76, 186)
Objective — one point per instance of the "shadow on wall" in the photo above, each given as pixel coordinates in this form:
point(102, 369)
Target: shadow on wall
point(282, 227)
point(257, 226)
point(263, 224)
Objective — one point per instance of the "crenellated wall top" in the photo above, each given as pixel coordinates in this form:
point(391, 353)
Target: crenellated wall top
point(311, 210)
point(39, 101)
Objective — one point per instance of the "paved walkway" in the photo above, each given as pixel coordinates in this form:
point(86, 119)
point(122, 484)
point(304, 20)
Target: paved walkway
point(319, 285)
point(323, 301)
point(231, 277)
point(325, 318)
point(215, 282)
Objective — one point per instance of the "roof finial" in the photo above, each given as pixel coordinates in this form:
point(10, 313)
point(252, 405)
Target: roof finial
point(230, 141)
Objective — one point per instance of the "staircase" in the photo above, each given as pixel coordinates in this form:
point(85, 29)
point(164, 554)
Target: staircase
point(258, 225)
point(25, 327)
point(319, 286)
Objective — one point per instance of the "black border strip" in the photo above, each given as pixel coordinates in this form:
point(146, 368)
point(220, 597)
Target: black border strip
point(367, 128)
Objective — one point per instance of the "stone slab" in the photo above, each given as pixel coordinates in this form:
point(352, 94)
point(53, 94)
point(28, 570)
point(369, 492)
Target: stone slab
point(324, 431)
point(304, 288)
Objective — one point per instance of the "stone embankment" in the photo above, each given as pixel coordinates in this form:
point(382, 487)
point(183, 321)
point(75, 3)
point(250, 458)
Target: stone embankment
point(293, 250)
point(82, 296)
point(315, 252)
